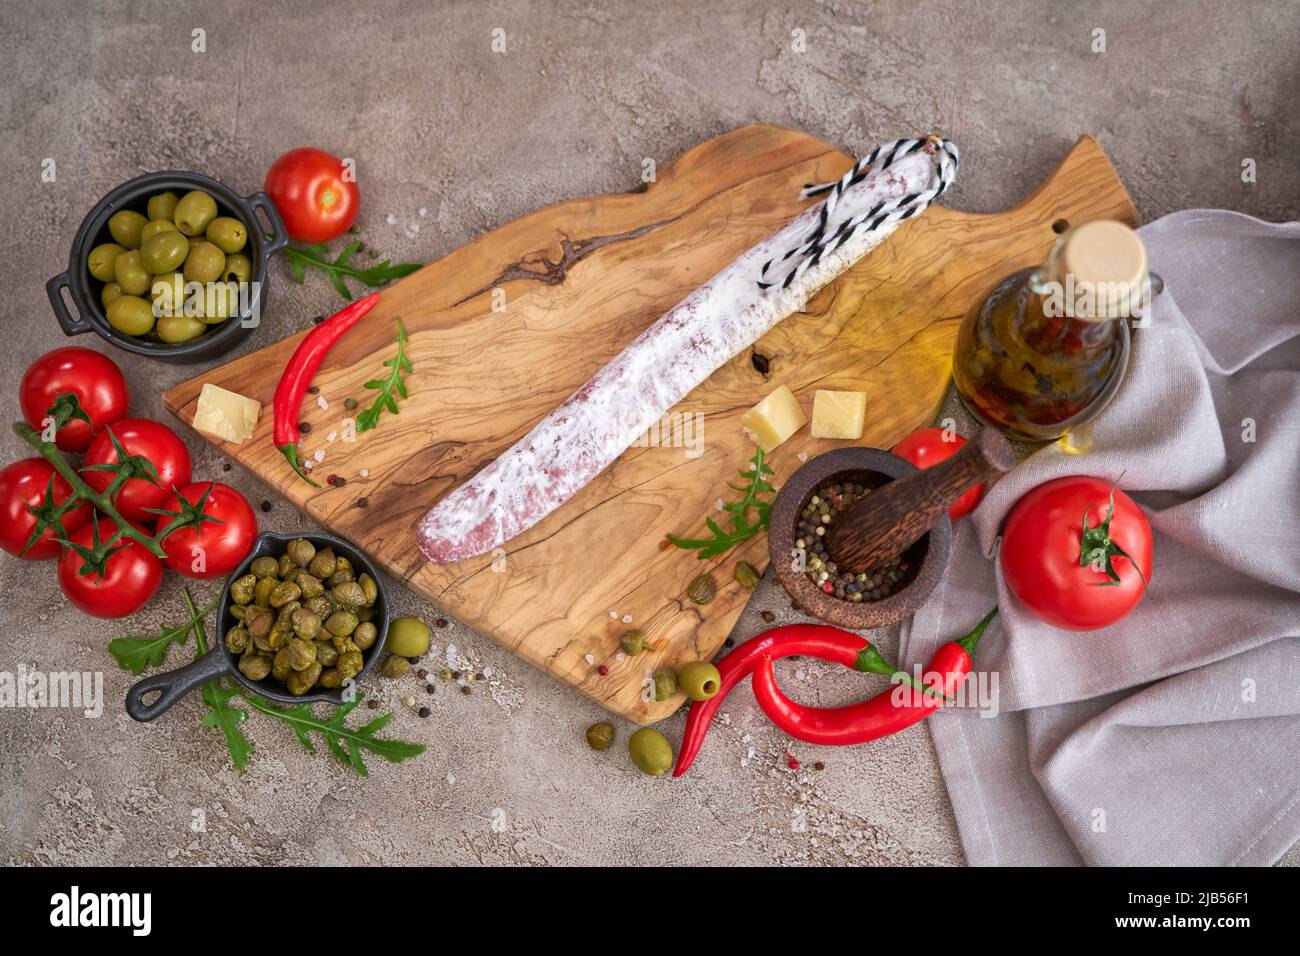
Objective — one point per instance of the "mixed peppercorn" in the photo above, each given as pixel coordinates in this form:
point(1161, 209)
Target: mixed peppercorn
point(844, 583)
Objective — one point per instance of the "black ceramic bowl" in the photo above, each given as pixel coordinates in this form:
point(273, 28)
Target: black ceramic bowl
point(84, 289)
point(220, 662)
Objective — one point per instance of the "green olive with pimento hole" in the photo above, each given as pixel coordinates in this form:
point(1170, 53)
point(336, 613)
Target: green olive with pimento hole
point(699, 680)
point(194, 211)
point(239, 268)
point(227, 234)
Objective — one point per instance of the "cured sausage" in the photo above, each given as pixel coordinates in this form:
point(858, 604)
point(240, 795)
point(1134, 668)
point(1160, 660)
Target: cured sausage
point(590, 429)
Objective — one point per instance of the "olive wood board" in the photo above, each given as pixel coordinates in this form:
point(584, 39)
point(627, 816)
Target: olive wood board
point(505, 328)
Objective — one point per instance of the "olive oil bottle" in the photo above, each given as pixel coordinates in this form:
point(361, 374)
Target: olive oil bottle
point(1046, 349)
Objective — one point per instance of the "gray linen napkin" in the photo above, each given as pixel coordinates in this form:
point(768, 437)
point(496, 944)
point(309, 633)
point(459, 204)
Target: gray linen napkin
point(1173, 736)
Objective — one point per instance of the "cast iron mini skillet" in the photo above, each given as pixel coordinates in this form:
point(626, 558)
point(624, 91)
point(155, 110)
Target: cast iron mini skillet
point(219, 662)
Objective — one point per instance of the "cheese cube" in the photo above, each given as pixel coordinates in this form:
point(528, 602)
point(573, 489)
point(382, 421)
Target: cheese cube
point(774, 419)
point(838, 414)
point(225, 415)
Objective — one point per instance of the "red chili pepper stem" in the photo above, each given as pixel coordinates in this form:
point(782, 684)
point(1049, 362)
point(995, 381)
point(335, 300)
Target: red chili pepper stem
point(871, 661)
point(968, 642)
point(290, 452)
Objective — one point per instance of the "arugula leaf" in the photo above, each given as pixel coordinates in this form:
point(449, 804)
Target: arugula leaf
point(741, 528)
point(216, 696)
point(316, 257)
point(344, 742)
point(135, 653)
point(398, 365)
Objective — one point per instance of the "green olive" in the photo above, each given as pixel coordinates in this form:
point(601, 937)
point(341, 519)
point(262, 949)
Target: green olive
point(125, 226)
point(238, 268)
point(131, 274)
point(408, 636)
point(102, 260)
point(179, 328)
point(130, 315)
point(204, 263)
point(153, 227)
point(168, 293)
point(110, 292)
point(162, 205)
point(650, 751)
point(699, 679)
point(164, 252)
point(220, 301)
point(227, 234)
point(194, 211)
point(600, 736)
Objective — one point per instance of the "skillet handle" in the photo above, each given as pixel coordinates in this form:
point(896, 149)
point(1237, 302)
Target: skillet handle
point(175, 684)
point(54, 289)
point(279, 237)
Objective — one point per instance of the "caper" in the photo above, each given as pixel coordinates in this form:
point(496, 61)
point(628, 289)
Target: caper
point(364, 636)
point(747, 575)
point(301, 653)
point(396, 666)
point(308, 583)
point(300, 682)
point(281, 665)
point(242, 589)
point(278, 637)
point(259, 621)
point(284, 592)
point(162, 205)
point(262, 593)
point(408, 636)
point(665, 680)
point(322, 566)
point(632, 642)
point(193, 212)
point(342, 563)
point(366, 613)
point(702, 589)
point(264, 566)
point(600, 736)
point(349, 664)
point(102, 260)
point(237, 611)
point(369, 587)
point(341, 623)
point(237, 640)
point(343, 643)
point(306, 623)
point(349, 594)
point(326, 653)
point(284, 564)
point(650, 751)
point(254, 666)
point(330, 677)
point(340, 576)
point(700, 680)
point(301, 551)
point(320, 605)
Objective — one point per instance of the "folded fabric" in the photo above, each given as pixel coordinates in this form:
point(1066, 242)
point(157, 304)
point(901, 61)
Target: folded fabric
point(1172, 736)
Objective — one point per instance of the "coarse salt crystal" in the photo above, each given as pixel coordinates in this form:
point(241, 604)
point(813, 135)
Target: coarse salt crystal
point(320, 454)
point(620, 657)
point(627, 618)
point(451, 654)
point(719, 504)
point(451, 778)
point(423, 212)
point(331, 436)
point(391, 220)
point(751, 753)
point(613, 615)
point(320, 400)
point(590, 658)
point(365, 472)
point(308, 463)
point(803, 456)
point(801, 675)
point(488, 672)
point(747, 738)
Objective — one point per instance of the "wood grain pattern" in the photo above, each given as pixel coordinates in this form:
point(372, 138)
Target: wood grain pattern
point(580, 280)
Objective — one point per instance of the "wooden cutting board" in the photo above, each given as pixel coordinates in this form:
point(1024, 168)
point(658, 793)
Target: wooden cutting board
point(505, 328)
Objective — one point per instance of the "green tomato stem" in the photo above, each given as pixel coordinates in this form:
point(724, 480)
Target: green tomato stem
point(50, 452)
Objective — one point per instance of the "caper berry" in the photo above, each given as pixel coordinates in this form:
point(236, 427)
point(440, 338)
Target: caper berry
point(396, 666)
point(600, 736)
point(747, 575)
point(702, 589)
point(665, 680)
point(632, 642)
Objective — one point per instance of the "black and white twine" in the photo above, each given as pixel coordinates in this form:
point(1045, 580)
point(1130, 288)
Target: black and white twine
point(829, 234)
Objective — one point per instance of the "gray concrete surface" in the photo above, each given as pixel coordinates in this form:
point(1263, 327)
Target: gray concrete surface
point(585, 90)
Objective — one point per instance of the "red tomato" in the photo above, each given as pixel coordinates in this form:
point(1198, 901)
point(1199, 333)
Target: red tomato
point(151, 440)
point(96, 381)
point(24, 483)
point(315, 200)
point(131, 575)
point(926, 448)
point(211, 550)
point(1042, 541)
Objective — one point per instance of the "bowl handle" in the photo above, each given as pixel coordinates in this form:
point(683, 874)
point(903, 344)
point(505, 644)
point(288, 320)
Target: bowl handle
point(279, 237)
point(175, 684)
point(54, 289)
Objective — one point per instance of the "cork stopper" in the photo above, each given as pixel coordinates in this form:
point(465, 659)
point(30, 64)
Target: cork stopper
point(1101, 268)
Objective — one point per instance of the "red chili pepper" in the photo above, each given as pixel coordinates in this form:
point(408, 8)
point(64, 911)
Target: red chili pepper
point(301, 369)
point(855, 724)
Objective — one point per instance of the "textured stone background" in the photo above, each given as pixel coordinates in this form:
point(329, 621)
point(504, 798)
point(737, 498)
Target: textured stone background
point(1183, 94)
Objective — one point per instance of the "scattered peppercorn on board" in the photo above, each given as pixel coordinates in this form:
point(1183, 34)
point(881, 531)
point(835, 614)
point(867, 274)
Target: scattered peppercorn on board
point(505, 328)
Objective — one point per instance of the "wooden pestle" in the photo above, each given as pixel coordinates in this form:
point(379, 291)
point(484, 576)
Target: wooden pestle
point(886, 522)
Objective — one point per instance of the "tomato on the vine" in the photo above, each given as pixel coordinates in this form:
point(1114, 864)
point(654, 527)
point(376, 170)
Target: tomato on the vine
point(1077, 553)
point(215, 547)
point(96, 381)
point(24, 483)
point(147, 439)
point(131, 575)
point(315, 193)
point(929, 446)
